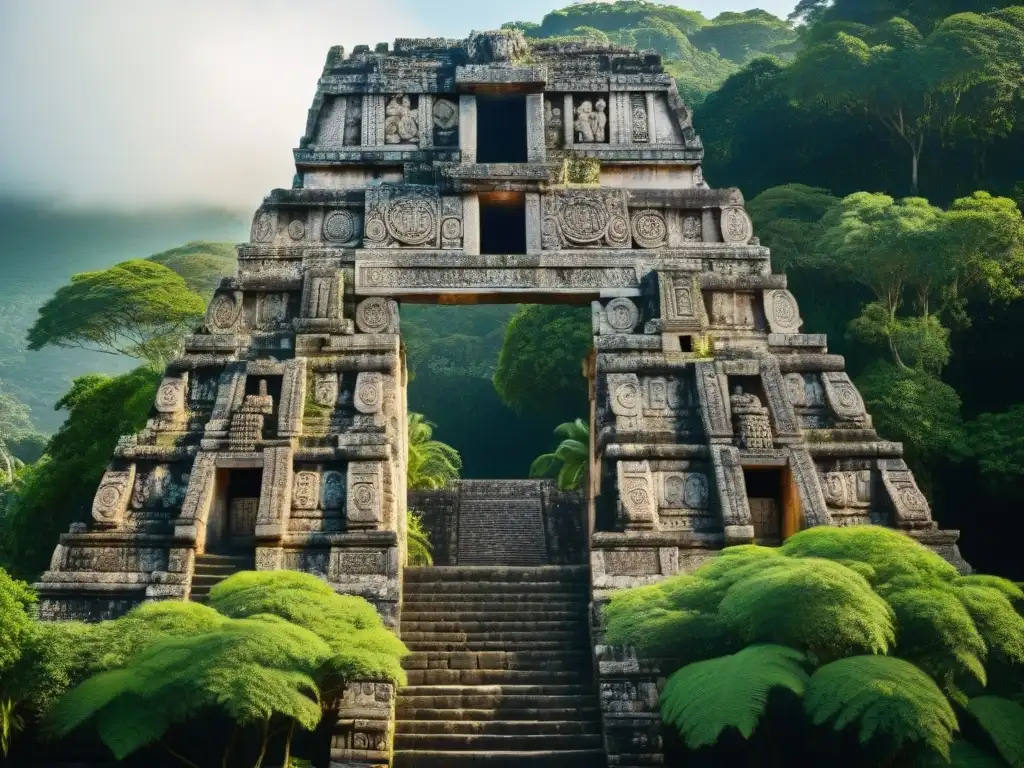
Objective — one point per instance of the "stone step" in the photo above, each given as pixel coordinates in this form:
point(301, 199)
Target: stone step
point(209, 578)
point(525, 660)
point(495, 677)
point(495, 603)
point(570, 639)
point(492, 617)
point(490, 590)
point(506, 574)
point(505, 624)
point(579, 758)
point(530, 645)
point(501, 727)
point(498, 697)
point(476, 715)
point(501, 742)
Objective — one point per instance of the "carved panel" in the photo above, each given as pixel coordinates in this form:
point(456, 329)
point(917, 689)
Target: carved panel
point(364, 499)
point(795, 391)
point(451, 222)
point(377, 315)
point(271, 310)
point(584, 218)
point(684, 490)
point(624, 394)
point(775, 390)
point(263, 225)
point(401, 217)
point(332, 494)
point(341, 227)
point(325, 388)
point(732, 492)
point(693, 229)
point(445, 114)
point(843, 397)
point(322, 290)
point(353, 120)
point(112, 496)
point(682, 308)
point(636, 495)
point(297, 228)
point(224, 311)
point(712, 401)
point(733, 309)
point(275, 491)
point(620, 316)
point(650, 230)
point(736, 226)
point(638, 109)
point(909, 505)
point(782, 312)
point(369, 392)
point(554, 130)
point(631, 562)
point(847, 489)
point(805, 477)
point(170, 397)
point(305, 490)
point(402, 120)
point(159, 488)
point(590, 123)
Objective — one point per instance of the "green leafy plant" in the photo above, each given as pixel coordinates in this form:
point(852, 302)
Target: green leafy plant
point(420, 548)
point(571, 457)
point(431, 463)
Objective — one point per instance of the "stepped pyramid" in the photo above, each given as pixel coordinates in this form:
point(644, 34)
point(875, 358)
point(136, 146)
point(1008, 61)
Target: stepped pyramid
point(462, 171)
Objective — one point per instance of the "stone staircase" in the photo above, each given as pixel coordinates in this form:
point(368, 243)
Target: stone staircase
point(500, 672)
point(212, 570)
point(501, 522)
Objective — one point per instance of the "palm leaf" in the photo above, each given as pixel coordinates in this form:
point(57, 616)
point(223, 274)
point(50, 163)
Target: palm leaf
point(542, 465)
point(1003, 721)
point(703, 699)
point(884, 695)
point(962, 754)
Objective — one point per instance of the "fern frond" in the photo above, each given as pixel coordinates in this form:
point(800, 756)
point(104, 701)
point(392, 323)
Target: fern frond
point(883, 695)
point(1003, 721)
point(418, 541)
point(703, 699)
point(962, 754)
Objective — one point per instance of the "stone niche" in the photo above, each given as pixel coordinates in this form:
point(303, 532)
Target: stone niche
point(157, 492)
point(589, 118)
point(340, 123)
point(412, 217)
point(684, 497)
point(318, 497)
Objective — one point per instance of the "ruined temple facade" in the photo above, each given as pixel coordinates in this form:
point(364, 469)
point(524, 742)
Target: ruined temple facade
point(489, 169)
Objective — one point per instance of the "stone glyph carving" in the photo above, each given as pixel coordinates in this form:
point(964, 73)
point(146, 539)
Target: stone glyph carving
point(795, 390)
point(591, 121)
point(843, 397)
point(781, 311)
point(910, 507)
point(650, 230)
point(640, 133)
point(682, 306)
point(779, 405)
point(451, 222)
point(446, 122)
point(113, 495)
point(262, 227)
point(684, 490)
point(305, 490)
point(584, 218)
point(693, 230)
point(325, 388)
point(736, 226)
point(733, 309)
point(401, 121)
point(753, 428)
point(732, 494)
point(341, 227)
point(624, 394)
point(621, 316)
point(636, 495)
point(847, 489)
point(170, 396)
point(322, 290)
point(369, 392)
point(364, 501)
point(401, 218)
point(712, 401)
point(805, 478)
point(554, 126)
point(224, 312)
point(377, 315)
point(353, 121)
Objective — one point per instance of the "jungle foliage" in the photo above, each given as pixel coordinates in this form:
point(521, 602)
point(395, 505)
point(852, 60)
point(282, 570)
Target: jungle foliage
point(849, 635)
point(270, 654)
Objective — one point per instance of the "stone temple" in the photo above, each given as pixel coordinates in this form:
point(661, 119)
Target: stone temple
point(489, 170)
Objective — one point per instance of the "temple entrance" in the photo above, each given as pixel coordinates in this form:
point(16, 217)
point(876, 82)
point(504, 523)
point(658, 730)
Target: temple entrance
point(231, 526)
point(501, 129)
point(775, 510)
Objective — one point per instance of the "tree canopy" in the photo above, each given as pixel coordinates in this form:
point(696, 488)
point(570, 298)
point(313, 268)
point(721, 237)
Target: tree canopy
point(136, 308)
point(200, 263)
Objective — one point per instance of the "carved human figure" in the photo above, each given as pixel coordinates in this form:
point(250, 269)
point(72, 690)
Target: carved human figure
point(553, 125)
point(600, 119)
point(353, 121)
point(401, 125)
point(741, 399)
point(585, 123)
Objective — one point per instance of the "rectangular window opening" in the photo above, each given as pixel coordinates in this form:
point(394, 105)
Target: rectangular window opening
point(503, 223)
point(765, 494)
point(686, 343)
point(231, 525)
point(501, 129)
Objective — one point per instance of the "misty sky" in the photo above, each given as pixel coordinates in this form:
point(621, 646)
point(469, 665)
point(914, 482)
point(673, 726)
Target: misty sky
point(140, 103)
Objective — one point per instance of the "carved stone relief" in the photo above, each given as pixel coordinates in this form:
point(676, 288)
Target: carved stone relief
point(325, 388)
point(446, 122)
point(224, 311)
point(401, 120)
point(451, 222)
point(693, 231)
point(332, 495)
point(650, 229)
point(353, 120)
point(377, 315)
point(554, 127)
point(591, 218)
point(624, 393)
point(714, 413)
point(262, 226)
point(113, 495)
point(640, 129)
point(401, 218)
point(805, 477)
point(297, 228)
point(322, 290)
point(733, 309)
point(170, 397)
point(341, 227)
point(636, 494)
point(202, 390)
point(909, 505)
point(781, 311)
point(271, 310)
point(365, 494)
point(847, 490)
point(682, 307)
point(795, 390)
point(591, 123)
point(305, 490)
point(732, 492)
point(159, 488)
point(620, 316)
point(736, 226)
point(843, 397)
point(369, 393)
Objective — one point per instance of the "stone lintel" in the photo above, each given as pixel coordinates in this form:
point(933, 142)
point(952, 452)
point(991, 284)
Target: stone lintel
point(388, 154)
point(721, 282)
point(875, 449)
point(666, 451)
point(482, 78)
point(810, 363)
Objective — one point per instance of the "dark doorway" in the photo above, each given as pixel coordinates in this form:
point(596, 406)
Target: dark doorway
point(501, 129)
point(231, 525)
point(765, 498)
point(503, 222)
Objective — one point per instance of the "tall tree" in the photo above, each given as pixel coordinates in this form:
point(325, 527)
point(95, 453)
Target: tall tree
point(136, 308)
point(15, 423)
point(200, 263)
